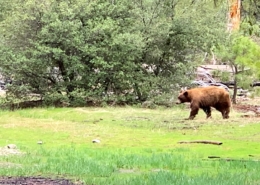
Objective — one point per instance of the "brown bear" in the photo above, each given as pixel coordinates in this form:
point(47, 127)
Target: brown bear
point(205, 98)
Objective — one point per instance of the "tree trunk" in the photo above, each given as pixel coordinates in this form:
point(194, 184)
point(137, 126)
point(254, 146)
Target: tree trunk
point(234, 98)
point(234, 15)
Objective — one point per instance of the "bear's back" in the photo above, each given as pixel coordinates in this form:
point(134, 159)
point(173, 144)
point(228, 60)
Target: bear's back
point(209, 95)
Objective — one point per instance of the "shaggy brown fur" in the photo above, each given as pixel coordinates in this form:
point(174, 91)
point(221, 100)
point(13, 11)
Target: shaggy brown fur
point(205, 98)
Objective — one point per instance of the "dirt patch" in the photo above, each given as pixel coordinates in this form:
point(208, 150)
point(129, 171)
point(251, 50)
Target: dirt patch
point(246, 108)
point(11, 149)
point(35, 181)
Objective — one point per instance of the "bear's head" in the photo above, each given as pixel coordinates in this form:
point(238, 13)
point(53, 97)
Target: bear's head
point(183, 97)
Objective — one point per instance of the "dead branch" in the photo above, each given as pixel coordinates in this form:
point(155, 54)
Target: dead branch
point(201, 141)
point(216, 158)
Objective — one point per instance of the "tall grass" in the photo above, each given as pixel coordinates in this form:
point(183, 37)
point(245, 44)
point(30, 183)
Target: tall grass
point(120, 166)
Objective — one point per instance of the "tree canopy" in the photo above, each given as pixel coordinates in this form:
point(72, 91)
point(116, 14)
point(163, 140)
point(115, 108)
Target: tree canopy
point(122, 51)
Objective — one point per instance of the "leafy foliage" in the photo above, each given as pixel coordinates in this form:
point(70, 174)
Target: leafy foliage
point(108, 50)
point(242, 54)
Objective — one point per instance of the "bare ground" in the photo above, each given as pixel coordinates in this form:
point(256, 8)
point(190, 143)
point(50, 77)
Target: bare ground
point(249, 107)
point(35, 181)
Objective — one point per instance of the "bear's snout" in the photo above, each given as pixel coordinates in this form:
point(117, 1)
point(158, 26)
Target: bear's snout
point(178, 102)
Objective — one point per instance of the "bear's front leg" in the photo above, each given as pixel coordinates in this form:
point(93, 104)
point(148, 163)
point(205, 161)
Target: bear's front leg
point(194, 111)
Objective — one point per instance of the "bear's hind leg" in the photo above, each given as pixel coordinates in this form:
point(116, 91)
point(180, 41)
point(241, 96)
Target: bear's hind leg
point(207, 110)
point(225, 113)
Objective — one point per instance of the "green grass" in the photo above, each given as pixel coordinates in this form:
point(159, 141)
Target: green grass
point(138, 146)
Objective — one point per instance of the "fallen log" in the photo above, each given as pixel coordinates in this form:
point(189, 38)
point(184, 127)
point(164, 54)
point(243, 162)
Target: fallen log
point(201, 141)
point(231, 159)
point(213, 157)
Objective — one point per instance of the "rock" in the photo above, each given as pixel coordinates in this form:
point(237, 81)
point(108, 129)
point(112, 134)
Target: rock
point(9, 150)
point(249, 114)
point(148, 104)
point(258, 110)
point(95, 141)
point(40, 142)
point(11, 146)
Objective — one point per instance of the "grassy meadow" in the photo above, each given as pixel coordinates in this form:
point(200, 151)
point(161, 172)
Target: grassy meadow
point(137, 146)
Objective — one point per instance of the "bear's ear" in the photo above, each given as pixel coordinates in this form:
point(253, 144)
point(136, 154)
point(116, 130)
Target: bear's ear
point(183, 89)
point(185, 93)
